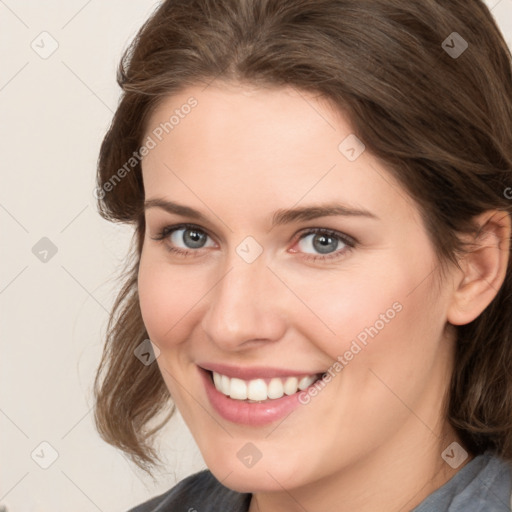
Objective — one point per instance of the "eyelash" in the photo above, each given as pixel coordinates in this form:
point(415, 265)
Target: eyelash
point(350, 242)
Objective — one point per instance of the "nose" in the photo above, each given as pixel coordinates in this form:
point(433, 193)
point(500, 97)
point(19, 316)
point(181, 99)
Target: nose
point(246, 307)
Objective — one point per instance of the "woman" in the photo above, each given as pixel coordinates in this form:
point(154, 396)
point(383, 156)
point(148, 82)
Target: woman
point(321, 279)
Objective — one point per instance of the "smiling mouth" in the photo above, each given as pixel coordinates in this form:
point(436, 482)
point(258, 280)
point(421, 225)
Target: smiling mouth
point(261, 390)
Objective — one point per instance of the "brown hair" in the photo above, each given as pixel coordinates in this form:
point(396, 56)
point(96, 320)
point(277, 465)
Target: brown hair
point(439, 121)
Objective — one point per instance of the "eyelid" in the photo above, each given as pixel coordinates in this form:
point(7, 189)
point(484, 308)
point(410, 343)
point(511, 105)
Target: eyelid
point(305, 231)
point(171, 228)
point(348, 240)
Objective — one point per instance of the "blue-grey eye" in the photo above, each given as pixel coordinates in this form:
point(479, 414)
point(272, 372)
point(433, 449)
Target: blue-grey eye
point(322, 243)
point(192, 238)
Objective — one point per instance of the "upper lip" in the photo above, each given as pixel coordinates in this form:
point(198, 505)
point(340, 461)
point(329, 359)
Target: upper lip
point(254, 372)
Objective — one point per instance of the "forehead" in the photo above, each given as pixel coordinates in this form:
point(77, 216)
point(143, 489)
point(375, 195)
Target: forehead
point(279, 117)
point(281, 145)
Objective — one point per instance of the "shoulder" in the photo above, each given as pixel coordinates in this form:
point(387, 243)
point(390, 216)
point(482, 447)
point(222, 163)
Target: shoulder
point(485, 484)
point(200, 492)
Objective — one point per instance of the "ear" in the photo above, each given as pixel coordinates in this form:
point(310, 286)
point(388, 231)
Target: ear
point(483, 269)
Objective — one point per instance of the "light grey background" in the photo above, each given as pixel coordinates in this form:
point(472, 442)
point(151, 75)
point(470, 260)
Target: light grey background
point(54, 112)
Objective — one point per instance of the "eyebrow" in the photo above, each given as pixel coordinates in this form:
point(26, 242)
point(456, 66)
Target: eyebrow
point(280, 217)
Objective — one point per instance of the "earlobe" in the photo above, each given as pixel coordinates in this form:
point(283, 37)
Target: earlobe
point(484, 268)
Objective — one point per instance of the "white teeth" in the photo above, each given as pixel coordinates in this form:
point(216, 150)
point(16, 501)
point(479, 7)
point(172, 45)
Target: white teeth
point(217, 380)
point(258, 389)
point(238, 389)
point(225, 385)
point(305, 382)
point(275, 388)
point(290, 386)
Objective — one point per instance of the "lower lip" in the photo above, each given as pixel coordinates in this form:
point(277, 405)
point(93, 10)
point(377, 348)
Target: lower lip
point(245, 413)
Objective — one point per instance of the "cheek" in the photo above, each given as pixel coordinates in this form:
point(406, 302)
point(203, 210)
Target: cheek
point(374, 310)
point(167, 297)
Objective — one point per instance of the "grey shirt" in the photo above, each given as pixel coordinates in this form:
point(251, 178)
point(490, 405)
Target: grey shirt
point(483, 485)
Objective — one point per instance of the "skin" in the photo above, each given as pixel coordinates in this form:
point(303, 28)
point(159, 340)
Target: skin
point(372, 439)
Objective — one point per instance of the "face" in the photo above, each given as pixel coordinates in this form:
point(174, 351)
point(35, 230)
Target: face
point(250, 289)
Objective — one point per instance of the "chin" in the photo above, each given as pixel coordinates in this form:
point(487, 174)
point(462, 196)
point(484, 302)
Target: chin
point(252, 480)
point(264, 476)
